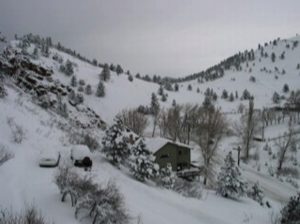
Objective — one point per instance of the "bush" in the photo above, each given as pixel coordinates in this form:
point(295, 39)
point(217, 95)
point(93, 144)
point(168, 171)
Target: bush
point(18, 133)
point(190, 189)
point(103, 204)
point(30, 215)
point(5, 154)
point(291, 212)
point(81, 82)
point(80, 89)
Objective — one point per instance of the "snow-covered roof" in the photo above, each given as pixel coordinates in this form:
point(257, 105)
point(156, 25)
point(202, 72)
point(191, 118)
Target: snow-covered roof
point(154, 144)
point(78, 152)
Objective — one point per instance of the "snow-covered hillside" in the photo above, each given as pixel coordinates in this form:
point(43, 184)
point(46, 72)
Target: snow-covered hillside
point(23, 181)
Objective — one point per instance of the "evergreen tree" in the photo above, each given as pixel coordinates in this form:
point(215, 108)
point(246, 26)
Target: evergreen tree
point(215, 96)
point(73, 81)
point(112, 67)
point(130, 78)
point(88, 89)
point(224, 94)
point(176, 87)
point(62, 108)
point(79, 98)
point(174, 103)
point(166, 177)
point(100, 92)
point(198, 90)
point(35, 53)
point(72, 95)
point(138, 76)
point(142, 162)
point(231, 97)
point(190, 87)
point(290, 214)
point(273, 57)
point(256, 193)
point(160, 90)
point(119, 70)
point(69, 68)
point(105, 74)
point(286, 88)
point(207, 102)
point(236, 94)
point(115, 143)
point(154, 105)
point(276, 98)
point(246, 95)
point(229, 180)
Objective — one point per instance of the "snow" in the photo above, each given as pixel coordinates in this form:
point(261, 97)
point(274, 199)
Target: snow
point(154, 144)
point(23, 181)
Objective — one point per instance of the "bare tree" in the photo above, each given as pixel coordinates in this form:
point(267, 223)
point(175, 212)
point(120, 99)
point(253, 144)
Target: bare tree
point(134, 120)
point(286, 142)
point(248, 126)
point(294, 99)
point(210, 129)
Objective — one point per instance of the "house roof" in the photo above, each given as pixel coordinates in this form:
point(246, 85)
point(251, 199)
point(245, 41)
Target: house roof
point(154, 144)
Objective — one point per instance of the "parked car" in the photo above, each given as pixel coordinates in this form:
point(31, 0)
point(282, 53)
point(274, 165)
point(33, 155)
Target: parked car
point(49, 158)
point(80, 155)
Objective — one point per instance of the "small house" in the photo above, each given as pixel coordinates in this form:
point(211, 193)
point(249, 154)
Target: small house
point(167, 151)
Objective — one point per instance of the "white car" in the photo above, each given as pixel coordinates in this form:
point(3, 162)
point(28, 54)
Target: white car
point(49, 158)
point(78, 153)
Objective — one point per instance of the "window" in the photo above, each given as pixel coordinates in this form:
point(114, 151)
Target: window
point(164, 156)
point(179, 152)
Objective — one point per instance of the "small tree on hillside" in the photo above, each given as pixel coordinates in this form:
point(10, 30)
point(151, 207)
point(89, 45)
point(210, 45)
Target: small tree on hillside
point(105, 74)
point(142, 162)
point(256, 193)
point(73, 81)
point(230, 182)
point(290, 214)
point(115, 143)
point(276, 98)
point(166, 177)
point(286, 88)
point(88, 89)
point(119, 70)
point(100, 92)
point(69, 68)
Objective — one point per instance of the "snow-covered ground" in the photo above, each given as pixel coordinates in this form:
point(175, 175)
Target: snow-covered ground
point(23, 181)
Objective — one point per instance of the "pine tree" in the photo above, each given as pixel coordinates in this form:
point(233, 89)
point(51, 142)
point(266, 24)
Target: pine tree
point(236, 94)
point(142, 162)
point(115, 143)
point(246, 95)
point(190, 87)
point(174, 103)
point(73, 81)
point(176, 87)
point(119, 70)
point(69, 68)
point(72, 95)
point(229, 180)
point(166, 177)
point(231, 97)
point(130, 78)
point(286, 88)
point(256, 193)
point(276, 98)
point(164, 98)
point(160, 91)
point(88, 89)
point(224, 94)
point(273, 57)
point(207, 102)
point(290, 214)
point(154, 106)
point(100, 90)
point(105, 74)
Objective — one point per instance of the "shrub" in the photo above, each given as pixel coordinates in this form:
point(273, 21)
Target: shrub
point(5, 154)
point(190, 189)
point(30, 215)
point(80, 89)
point(18, 133)
point(81, 82)
point(291, 212)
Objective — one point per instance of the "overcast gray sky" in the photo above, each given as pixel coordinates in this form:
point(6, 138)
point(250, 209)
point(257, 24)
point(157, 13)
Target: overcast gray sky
point(163, 37)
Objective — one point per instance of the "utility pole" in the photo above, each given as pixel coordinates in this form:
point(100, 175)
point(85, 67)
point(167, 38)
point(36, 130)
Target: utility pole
point(239, 152)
